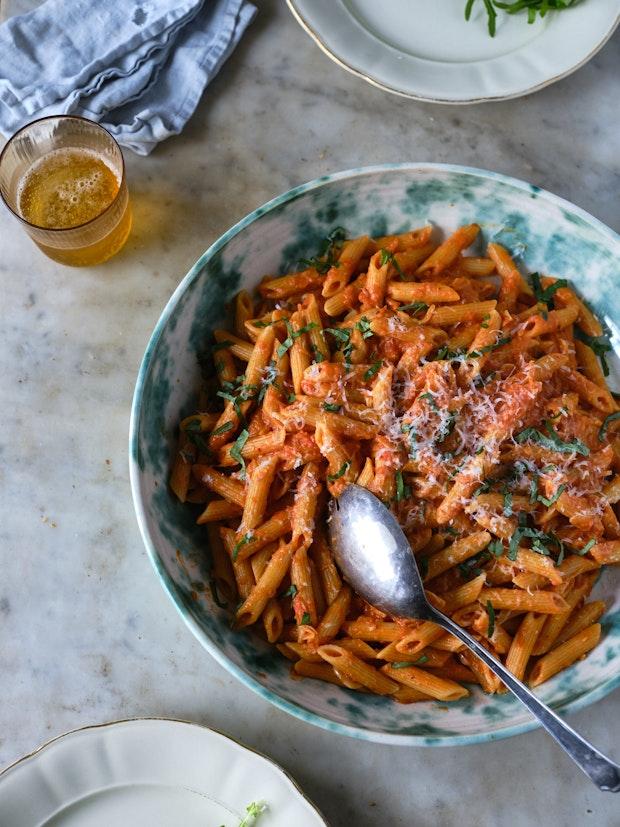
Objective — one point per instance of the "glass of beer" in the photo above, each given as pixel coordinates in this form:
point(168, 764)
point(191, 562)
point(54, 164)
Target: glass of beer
point(64, 179)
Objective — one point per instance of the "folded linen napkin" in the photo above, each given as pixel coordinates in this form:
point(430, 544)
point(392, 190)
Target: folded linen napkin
point(139, 67)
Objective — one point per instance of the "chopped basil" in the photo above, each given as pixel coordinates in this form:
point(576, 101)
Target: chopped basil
point(545, 295)
point(305, 619)
point(554, 498)
point(471, 567)
point(372, 370)
point(496, 547)
point(540, 541)
point(431, 400)
point(242, 542)
point(292, 335)
point(534, 488)
point(327, 253)
point(415, 307)
point(290, 592)
point(364, 327)
point(237, 447)
point(602, 434)
point(587, 547)
point(199, 441)
point(491, 613)
point(474, 354)
point(552, 441)
point(291, 398)
point(340, 472)
point(403, 664)
point(387, 257)
point(329, 406)
point(402, 491)
point(423, 567)
point(599, 344)
point(227, 426)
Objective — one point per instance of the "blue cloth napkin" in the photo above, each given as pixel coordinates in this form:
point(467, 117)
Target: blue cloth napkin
point(139, 67)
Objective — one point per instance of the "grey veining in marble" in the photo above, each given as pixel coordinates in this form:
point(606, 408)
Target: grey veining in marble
point(86, 632)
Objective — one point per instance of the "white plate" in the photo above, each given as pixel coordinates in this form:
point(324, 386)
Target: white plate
point(148, 773)
point(424, 49)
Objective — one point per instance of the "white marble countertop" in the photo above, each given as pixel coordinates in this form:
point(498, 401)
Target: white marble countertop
point(86, 632)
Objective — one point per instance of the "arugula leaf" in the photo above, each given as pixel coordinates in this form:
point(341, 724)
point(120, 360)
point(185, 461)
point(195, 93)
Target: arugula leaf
point(552, 441)
point(340, 472)
point(600, 345)
point(236, 449)
point(372, 370)
point(603, 429)
point(491, 613)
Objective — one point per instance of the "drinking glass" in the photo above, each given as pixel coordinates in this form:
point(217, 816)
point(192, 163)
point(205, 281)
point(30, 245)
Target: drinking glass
point(63, 177)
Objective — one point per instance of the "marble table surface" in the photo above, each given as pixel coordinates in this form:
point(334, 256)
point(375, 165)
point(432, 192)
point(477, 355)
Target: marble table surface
point(86, 632)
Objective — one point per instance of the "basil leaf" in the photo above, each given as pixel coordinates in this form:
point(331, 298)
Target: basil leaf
point(237, 447)
point(491, 613)
point(372, 370)
point(602, 434)
point(340, 472)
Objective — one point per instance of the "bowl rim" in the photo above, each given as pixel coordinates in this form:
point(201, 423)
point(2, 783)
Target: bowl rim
point(583, 700)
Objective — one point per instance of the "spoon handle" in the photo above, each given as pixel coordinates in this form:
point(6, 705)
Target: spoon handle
point(603, 772)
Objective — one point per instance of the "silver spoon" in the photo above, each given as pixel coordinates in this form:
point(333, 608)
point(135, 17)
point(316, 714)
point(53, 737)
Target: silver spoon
point(374, 556)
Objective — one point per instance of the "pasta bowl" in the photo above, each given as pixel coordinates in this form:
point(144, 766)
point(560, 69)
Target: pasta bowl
point(544, 233)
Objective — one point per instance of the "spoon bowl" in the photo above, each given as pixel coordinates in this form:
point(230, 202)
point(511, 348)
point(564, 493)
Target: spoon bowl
point(375, 558)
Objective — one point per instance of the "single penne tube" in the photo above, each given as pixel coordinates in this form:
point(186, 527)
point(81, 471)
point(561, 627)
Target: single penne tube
point(448, 643)
point(300, 650)
point(565, 655)
point(244, 310)
point(266, 588)
point(341, 273)
point(606, 553)
point(225, 368)
point(299, 351)
point(447, 252)
point(452, 670)
point(260, 357)
point(346, 298)
point(596, 396)
point(276, 527)
point(203, 422)
point(229, 488)
point(556, 623)
point(407, 695)
point(223, 580)
point(417, 639)
point(335, 615)
point(317, 589)
point(458, 552)
point(181, 474)
point(499, 638)
point(487, 679)
point(218, 511)
point(477, 266)
point(244, 577)
point(589, 364)
point(551, 322)
point(326, 568)
point(513, 284)
point(313, 320)
point(261, 478)
point(259, 561)
point(465, 594)
point(580, 619)
point(304, 507)
point(357, 670)
point(254, 447)
point(369, 629)
point(456, 313)
point(321, 672)
point(427, 658)
point(426, 682)
point(428, 292)
point(373, 292)
point(291, 284)
point(411, 239)
point(517, 600)
point(523, 642)
point(357, 647)
point(238, 347)
point(273, 622)
point(304, 602)
point(538, 564)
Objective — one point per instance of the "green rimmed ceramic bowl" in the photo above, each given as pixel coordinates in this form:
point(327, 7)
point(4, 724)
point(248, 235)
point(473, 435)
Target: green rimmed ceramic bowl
point(543, 231)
